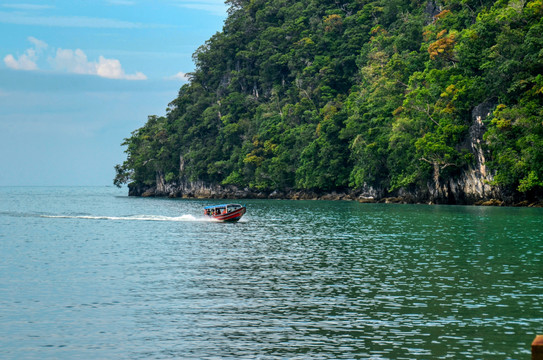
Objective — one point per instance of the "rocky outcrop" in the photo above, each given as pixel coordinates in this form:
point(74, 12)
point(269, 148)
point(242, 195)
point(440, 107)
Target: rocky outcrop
point(431, 9)
point(472, 184)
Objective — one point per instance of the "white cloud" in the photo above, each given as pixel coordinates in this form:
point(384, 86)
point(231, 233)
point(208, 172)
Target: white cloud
point(76, 61)
point(26, 61)
point(40, 45)
point(70, 61)
point(112, 69)
point(179, 76)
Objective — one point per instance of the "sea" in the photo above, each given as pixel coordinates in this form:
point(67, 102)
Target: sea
point(90, 273)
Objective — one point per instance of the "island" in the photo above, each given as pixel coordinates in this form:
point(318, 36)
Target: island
point(401, 101)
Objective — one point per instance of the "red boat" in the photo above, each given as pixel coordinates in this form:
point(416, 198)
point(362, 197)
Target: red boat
point(225, 212)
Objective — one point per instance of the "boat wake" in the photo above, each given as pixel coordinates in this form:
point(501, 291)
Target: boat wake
point(182, 218)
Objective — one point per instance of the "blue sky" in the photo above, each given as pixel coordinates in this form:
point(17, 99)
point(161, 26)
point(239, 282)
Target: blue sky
point(77, 77)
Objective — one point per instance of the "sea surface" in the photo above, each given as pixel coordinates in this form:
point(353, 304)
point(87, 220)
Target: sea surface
point(90, 273)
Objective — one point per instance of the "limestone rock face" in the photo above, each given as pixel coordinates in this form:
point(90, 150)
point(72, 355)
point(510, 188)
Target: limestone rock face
point(432, 9)
point(477, 178)
point(472, 184)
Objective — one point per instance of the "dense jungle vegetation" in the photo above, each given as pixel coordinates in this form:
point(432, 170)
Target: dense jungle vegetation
point(333, 94)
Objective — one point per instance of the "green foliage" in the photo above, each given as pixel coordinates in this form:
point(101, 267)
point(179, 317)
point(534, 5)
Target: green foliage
point(515, 134)
point(324, 95)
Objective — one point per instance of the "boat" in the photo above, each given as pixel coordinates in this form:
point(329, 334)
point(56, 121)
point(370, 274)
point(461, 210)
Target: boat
point(225, 212)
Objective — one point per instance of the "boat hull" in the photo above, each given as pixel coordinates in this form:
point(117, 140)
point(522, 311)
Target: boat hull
point(232, 216)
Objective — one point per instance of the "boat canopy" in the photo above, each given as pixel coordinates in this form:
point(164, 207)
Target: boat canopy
point(222, 206)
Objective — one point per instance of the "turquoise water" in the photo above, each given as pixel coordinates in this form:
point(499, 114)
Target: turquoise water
point(89, 273)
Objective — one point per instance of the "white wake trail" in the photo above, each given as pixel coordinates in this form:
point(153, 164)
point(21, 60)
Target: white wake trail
point(181, 218)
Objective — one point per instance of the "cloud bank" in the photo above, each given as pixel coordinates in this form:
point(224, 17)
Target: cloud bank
point(70, 61)
point(76, 62)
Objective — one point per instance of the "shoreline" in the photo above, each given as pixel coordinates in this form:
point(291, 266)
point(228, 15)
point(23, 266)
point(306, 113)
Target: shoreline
point(369, 196)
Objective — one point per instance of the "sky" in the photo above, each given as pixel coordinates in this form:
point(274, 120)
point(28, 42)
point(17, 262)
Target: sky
point(77, 77)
